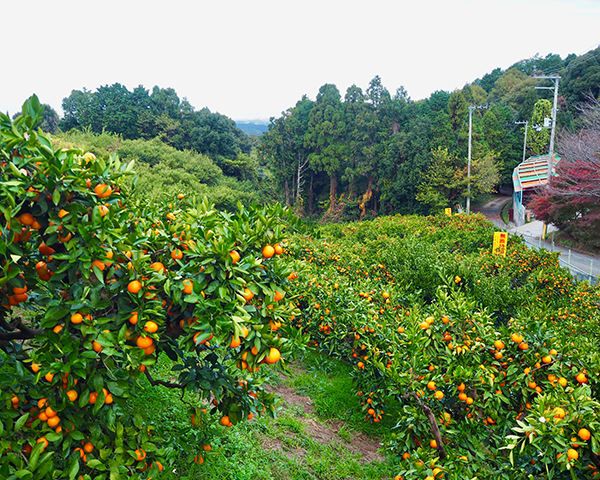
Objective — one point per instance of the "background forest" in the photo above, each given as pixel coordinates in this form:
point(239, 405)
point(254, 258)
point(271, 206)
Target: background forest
point(337, 157)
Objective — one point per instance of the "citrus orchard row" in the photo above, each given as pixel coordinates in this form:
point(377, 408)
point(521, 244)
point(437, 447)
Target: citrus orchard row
point(485, 366)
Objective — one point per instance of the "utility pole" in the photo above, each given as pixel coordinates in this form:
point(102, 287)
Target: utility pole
point(555, 79)
point(526, 123)
point(471, 108)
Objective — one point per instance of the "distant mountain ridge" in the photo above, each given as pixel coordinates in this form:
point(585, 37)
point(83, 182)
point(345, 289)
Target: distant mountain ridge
point(252, 127)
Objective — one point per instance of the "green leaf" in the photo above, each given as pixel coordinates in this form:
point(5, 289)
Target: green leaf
point(35, 455)
point(53, 437)
point(138, 421)
point(19, 423)
point(56, 197)
point(73, 467)
point(76, 435)
point(97, 464)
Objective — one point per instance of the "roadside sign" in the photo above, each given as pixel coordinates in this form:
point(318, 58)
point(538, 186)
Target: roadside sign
point(499, 246)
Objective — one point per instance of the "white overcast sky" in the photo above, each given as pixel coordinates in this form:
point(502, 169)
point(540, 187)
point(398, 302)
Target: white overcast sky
point(254, 59)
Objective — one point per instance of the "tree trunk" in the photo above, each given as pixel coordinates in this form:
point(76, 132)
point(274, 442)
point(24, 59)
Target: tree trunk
point(332, 192)
point(302, 163)
point(287, 192)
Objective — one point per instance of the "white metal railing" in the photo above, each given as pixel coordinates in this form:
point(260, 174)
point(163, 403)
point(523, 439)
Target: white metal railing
point(564, 262)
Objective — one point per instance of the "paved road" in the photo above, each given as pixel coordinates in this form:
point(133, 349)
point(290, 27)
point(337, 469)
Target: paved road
point(583, 266)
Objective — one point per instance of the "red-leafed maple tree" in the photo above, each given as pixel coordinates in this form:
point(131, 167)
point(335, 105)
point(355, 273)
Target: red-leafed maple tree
point(572, 199)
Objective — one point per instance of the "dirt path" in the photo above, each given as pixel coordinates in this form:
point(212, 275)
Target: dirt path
point(321, 431)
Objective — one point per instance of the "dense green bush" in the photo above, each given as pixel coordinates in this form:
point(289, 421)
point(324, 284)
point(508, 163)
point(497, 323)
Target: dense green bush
point(164, 171)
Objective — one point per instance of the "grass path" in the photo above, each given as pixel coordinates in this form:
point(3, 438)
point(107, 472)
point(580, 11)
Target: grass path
point(319, 432)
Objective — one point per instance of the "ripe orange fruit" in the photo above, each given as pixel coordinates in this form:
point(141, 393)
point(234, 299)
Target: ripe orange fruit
point(572, 454)
point(99, 264)
point(562, 381)
point(581, 378)
point(268, 251)
point(66, 238)
point(72, 394)
point(134, 286)
point(188, 286)
point(235, 342)
point(278, 249)
point(151, 327)
point(433, 444)
point(198, 459)
point(140, 455)
point(44, 441)
point(224, 420)
point(516, 337)
point(273, 356)
point(559, 413)
point(96, 347)
point(53, 422)
point(93, 397)
point(158, 266)
point(431, 385)
point(76, 318)
point(88, 447)
point(26, 219)
point(547, 359)
point(235, 256)
point(50, 412)
point(103, 210)
point(45, 249)
point(499, 344)
point(102, 190)
point(248, 295)
point(523, 346)
point(438, 394)
point(584, 434)
point(278, 295)
point(134, 318)
point(144, 342)
point(176, 254)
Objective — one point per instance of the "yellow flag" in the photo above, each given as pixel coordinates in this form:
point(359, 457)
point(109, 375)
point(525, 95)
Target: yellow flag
point(449, 212)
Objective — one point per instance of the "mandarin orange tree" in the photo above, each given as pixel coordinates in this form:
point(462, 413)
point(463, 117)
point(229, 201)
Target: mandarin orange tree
point(95, 284)
point(486, 366)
